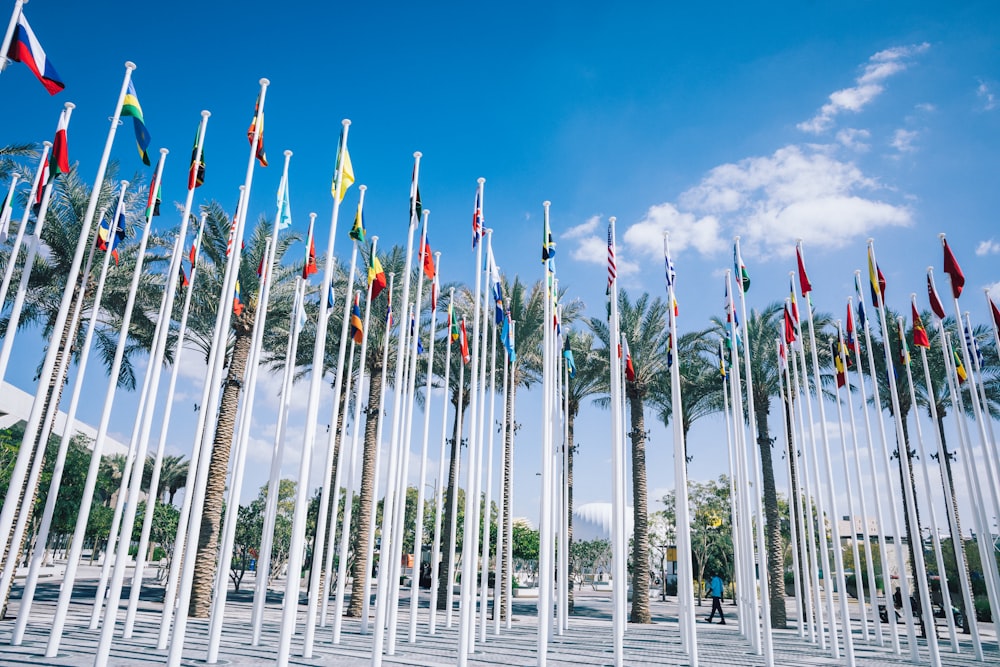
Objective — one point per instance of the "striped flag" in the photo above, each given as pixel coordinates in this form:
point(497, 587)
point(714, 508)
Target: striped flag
point(477, 220)
point(466, 357)
point(310, 266)
point(612, 267)
point(804, 283)
point(60, 152)
point(257, 125)
point(920, 338)
point(951, 267)
point(24, 48)
point(131, 107)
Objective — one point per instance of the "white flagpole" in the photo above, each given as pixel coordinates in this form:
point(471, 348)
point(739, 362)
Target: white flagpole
point(504, 502)
point(41, 541)
point(14, 316)
point(485, 574)
point(978, 398)
point(545, 542)
point(147, 523)
point(734, 508)
point(509, 565)
point(295, 554)
point(454, 499)
point(8, 273)
point(680, 471)
point(277, 451)
point(851, 507)
point(439, 491)
point(418, 524)
point(345, 529)
point(935, 538)
point(177, 557)
point(5, 215)
point(8, 36)
point(207, 433)
point(869, 558)
point(619, 586)
point(323, 541)
point(801, 587)
point(893, 515)
point(911, 509)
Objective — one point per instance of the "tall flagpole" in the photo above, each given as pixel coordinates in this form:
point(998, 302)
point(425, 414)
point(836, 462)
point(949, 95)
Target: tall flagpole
point(545, 545)
point(387, 546)
point(36, 183)
point(619, 584)
point(485, 539)
point(439, 491)
point(734, 508)
point(450, 604)
point(504, 501)
point(911, 508)
point(509, 564)
point(206, 431)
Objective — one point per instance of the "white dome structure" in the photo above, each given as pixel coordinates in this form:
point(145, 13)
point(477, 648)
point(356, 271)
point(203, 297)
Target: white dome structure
point(593, 521)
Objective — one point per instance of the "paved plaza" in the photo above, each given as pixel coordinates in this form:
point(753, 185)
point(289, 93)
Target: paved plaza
point(587, 642)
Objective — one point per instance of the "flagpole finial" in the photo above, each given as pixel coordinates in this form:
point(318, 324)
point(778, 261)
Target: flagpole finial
point(205, 113)
point(47, 144)
point(288, 153)
point(374, 239)
point(489, 231)
point(418, 154)
point(612, 219)
point(857, 272)
point(164, 151)
point(546, 203)
point(437, 256)
point(312, 217)
point(941, 236)
point(362, 188)
point(124, 184)
point(798, 241)
point(129, 65)
point(736, 239)
point(870, 240)
point(346, 122)
point(480, 180)
point(69, 105)
point(264, 82)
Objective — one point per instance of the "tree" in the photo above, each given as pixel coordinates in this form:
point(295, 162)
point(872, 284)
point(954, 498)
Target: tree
point(201, 321)
point(643, 325)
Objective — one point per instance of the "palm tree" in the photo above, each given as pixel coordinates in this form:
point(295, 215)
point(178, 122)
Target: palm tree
point(643, 324)
point(173, 476)
point(701, 391)
point(10, 162)
point(201, 321)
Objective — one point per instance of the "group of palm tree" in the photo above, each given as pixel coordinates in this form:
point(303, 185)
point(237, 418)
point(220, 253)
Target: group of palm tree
point(643, 324)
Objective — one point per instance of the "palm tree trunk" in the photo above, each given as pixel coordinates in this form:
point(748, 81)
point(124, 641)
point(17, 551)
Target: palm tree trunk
point(444, 585)
point(794, 496)
point(957, 528)
point(775, 550)
point(361, 569)
point(208, 557)
point(508, 485)
point(569, 504)
point(640, 537)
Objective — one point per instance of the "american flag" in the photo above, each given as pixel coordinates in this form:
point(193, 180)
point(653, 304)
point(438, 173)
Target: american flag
point(612, 269)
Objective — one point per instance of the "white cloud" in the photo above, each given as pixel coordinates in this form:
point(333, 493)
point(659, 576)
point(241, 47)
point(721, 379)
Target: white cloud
point(985, 93)
point(594, 250)
point(994, 291)
point(902, 140)
point(854, 139)
point(686, 230)
point(583, 229)
point(989, 247)
point(869, 85)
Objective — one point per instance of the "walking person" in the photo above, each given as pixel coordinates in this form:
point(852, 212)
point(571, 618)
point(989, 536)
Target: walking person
point(715, 587)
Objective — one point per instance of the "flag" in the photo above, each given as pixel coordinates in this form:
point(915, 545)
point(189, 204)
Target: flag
point(193, 255)
point(428, 258)
point(106, 241)
point(330, 298)
point(508, 344)
point(972, 345)
point(936, 306)
point(131, 107)
point(196, 172)
point(951, 267)
point(466, 357)
point(477, 220)
point(904, 349)
point(60, 151)
point(670, 349)
point(452, 324)
point(959, 366)
point(310, 266)
point(237, 301)
point(184, 279)
point(300, 321)
point(838, 363)
point(548, 245)
point(782, 358)
point(376, 275)
point(434, 293)
point(862, 318)
point(346, 173)
point(415, 206)
point(154, 198)
point(258, 116)
point(41, 187)
point(260, 266)
point(358, 232)
point(612, 266)
point(668, 266)
point(804, 283)
point(568, 355)
point(413, 332)
point(357, 331)
point(789, 326)
point(740, 270)
point(284, 205)
point(629, 368)
point(24, 48)
point(497, 288)
point(996, 313)
point(876, 280)
point(794, 312)
point(920, 338)
point(722, 360)
point(388, 310)
point(849, 334)
point(6, 211)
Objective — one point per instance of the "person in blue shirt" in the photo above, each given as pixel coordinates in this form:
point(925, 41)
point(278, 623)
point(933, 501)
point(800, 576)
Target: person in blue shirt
point(715, 586)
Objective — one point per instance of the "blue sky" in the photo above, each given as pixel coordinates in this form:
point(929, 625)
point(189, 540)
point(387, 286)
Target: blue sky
point(830, 122)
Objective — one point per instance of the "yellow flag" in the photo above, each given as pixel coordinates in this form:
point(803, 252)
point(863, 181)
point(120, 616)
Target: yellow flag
point(346, 176)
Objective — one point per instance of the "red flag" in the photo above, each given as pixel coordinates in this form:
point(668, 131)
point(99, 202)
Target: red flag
point(466, 357)
point(935, 300)
point(849, 333)
point(919, 333)
point(310, 266)
point(996, 313)
point(629, 368)
point(789, 327)
point(804, 283)
point(260, 267)
point(184, 279)
point(953, 270)
point(428, 259)
point(193, 255)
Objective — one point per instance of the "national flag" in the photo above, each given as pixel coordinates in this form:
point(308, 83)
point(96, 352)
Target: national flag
point(629, 368)
point(196, 172)
point(548, 245)
point(862, 317)
point(300, 320)
point(794, 312)
point(346, 173)
point(452, 324)
point(184, 279)
point(838, 363)
point(496, 287)
point(131, 107)
point(284, 204)
point(330, 299)
point(782, 357)
point(237, 301)
point(466, 357)
point(36, 206)
point(951, 267)
point(936, 306)
point(193, 254)
point(875, 280)
point(612, 266)
point(995, 311)
point(154, 198)
point(357, 330)
point(427, 258)
point(413, 332)
point(506, 337)
point(670, 349)
point(416, 207)
point(260, 266)
point(740, 270)
point(568, 355)
point(477, 220)
point(310, 267)
point(388, 310)
point(789, 326)
point(959, 366)
point(435, 288)
point(972, 345)
point(668, 266)
point(258, 117)
point(376, 275)
point(804, 283)
point(849, 333)
point(60, 152)
point(107, 241)
point(920, 338)
point(358, 231)
point(904, 349)
point(722, 360)
point(25, 48)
